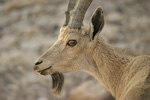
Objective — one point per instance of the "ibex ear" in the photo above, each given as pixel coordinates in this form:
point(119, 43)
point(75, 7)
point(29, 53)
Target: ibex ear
point(96, 23)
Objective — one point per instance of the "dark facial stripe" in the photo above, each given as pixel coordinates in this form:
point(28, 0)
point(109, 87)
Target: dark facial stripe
point(57, 83)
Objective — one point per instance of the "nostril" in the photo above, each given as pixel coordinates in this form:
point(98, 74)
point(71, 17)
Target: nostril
point(39, 62)
point(35, 68)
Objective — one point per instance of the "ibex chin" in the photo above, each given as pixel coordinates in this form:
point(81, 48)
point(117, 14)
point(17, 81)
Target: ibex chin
point(127, 77)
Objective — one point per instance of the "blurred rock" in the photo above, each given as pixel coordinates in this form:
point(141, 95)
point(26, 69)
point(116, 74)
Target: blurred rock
point(111, 33)
point(90, 90)
point(15, 4)
point(29, 27)
point(115, 18)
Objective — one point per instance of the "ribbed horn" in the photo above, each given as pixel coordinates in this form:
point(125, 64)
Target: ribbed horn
point(78, 13)
point(71, 5)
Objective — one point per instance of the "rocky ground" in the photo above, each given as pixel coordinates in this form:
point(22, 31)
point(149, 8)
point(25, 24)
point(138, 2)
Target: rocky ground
point(30, 27)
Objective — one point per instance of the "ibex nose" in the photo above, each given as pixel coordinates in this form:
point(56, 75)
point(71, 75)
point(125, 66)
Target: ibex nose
point(39, 62)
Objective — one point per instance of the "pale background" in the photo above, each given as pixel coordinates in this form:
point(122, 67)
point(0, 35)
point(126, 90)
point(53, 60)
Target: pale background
point(30, 27)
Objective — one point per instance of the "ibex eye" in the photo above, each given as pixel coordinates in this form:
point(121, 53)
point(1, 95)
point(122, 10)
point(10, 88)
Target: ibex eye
point(71, 43)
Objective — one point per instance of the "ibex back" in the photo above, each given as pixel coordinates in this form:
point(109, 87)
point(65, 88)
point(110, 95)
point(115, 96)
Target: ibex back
point(127, 77)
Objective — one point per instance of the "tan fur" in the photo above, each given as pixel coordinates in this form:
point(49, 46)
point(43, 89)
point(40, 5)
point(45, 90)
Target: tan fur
point(127, 77)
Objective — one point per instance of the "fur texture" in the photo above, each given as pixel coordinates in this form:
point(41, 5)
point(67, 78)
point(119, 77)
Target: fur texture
point(125, 75)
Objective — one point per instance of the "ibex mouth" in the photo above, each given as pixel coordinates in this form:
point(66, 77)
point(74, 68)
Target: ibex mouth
point(43, 72)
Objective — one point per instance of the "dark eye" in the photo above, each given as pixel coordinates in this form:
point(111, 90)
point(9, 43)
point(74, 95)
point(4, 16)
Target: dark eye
point(71, 43)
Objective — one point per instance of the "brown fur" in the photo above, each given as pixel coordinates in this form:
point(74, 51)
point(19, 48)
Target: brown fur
point(57, 83)
point(126, 76)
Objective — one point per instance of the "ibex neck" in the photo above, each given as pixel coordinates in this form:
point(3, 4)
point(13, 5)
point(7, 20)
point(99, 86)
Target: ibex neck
point(110, 64)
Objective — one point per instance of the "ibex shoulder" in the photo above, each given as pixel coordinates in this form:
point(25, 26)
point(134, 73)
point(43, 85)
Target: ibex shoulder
point(143, 59)
point(137, 78)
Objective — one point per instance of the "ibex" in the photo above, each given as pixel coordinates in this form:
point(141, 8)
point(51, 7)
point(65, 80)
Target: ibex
point(127, 77)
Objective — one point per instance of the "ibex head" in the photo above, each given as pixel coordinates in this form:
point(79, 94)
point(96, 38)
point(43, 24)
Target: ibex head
point(74, 47)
